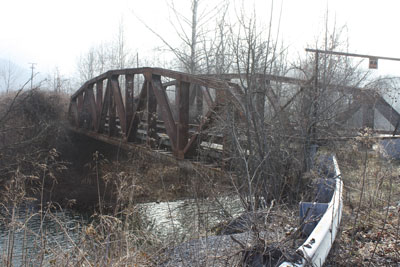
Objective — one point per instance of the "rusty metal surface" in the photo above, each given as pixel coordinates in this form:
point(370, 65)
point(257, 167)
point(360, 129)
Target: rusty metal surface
point(158, 154)
point(118, 102)
point(137, 113)
point(152, 137)
point(180, 76)
point(182, 102)
point(166, 112)
point(129, 97)
point(163, 116)
point(116, 113)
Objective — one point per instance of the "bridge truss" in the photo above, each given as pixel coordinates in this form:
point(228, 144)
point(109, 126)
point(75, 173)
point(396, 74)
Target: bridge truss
point(170, 111)
point(151, 105)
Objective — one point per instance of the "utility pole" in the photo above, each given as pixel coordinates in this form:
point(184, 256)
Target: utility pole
point(32, 68)
point(137, 76)
point(315, 101)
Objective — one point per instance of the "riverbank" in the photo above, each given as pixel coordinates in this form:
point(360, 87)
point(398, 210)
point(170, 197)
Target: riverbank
point(97, 169)
point(54, 165)
point(126, 194)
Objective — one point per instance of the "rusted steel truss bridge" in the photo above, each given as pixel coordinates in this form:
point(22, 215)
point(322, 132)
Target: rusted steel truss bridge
point(168, 112)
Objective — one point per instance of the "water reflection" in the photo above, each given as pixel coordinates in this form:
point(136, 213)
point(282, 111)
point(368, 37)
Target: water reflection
point(22, 231)
point(21, 238)
point(180, 218)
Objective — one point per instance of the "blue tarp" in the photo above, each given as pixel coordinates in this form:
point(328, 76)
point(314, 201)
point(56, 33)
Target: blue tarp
point(391, 147)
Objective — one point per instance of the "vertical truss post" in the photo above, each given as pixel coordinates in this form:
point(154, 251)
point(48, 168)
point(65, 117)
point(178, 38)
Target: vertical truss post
point(119, 103)
point(112, 113)
point(151, 116)
point(73, 111)
point(220, 97)
point(137, 113)
point(368, 111)
point(182, 103)
point(262, 87)
point(99, 96)
point(166, 113)
point(92, 106)
point(129, 97)
point(104, 109)
point(80, 109)
point(207, 96)
point(199, 101)
point(86, 117)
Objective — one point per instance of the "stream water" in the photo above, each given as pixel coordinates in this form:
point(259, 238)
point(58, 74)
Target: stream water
point(22, 240)
point(24, 231)
point(187, 216)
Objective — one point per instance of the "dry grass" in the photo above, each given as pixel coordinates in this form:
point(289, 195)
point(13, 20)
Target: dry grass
point(370, 233)
point(31, 133)
point(118, 235)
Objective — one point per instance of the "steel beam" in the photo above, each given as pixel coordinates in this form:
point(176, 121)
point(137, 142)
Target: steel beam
point(99, 95)
point(137, 114)
point(129, 97)
point(182, 103)
point(368, 115)
point(112, 113)
point(118, 102)
point(152, 136)
point(92, 106)
point(348, 113)
point(210, 81)
point(80, 108)
point(73, 108)
point(204, 124)
point(86, 116)
point(199, 101)
point(163, 103)
point(387, 111)
point(104, 109)
point(207, 96)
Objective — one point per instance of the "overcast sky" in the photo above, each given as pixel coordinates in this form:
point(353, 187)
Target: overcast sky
point(53, 33)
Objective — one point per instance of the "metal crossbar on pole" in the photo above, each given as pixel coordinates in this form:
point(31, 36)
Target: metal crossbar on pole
point(374, 58)
point(350, 54)
point(32, 68)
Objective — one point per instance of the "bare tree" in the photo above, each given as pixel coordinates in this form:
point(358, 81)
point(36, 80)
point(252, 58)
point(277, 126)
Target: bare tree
point(88, 65)
point(57, 82)
point(9, 74)
point(193, 32)
point(273, 138)
point(255, 159)
point(105, 56)
point(122, 54)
